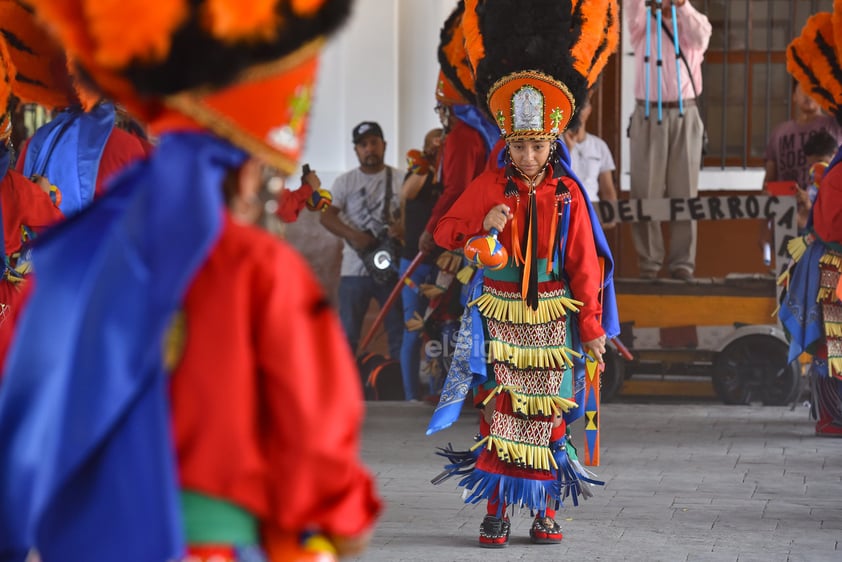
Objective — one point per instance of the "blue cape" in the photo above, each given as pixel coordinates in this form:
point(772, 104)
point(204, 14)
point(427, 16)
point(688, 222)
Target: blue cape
point(67, 151)
point(87, 470)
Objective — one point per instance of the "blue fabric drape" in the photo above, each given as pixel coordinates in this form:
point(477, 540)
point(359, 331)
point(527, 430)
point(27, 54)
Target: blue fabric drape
point(87, 470)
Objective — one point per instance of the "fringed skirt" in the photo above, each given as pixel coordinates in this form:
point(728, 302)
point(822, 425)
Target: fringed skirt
point(523, 456)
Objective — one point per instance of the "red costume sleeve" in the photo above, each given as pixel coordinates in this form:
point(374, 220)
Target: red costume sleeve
point(464, 157)
point(121, 149)
point(266, 399)
point(827, 210)
point(24, 204)
point(582, 265)
point(22, 156)
point(465, 217)
point(290, 203)
point(314, 401)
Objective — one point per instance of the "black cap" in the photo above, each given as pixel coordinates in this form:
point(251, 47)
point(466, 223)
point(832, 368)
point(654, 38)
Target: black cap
point(366, 128)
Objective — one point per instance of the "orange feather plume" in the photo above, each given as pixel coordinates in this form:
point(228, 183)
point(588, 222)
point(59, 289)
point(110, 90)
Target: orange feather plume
point(132, 30)
point(591, 34)
point(474, 46)
point(815, 66)
point(837, 27)
point(39, 60)
point(611, 37)
point(235, 20)
point(7, 77)
point(454, 52)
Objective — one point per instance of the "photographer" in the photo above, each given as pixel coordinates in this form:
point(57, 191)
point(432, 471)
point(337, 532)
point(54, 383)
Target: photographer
point(366, 201)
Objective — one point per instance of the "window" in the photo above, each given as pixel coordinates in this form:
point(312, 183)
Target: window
point(747, 90)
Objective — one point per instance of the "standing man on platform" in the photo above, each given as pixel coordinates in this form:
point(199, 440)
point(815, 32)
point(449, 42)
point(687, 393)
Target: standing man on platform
point(666, 153)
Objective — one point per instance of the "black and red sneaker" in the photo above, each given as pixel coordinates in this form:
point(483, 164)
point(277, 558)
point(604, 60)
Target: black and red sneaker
point(545, 530)
point(494, 532)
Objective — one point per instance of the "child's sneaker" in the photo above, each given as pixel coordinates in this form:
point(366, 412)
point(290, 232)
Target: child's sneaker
point(494, 532)
point(545, 530)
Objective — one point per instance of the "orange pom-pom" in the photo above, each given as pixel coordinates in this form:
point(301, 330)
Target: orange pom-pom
point(235, 20)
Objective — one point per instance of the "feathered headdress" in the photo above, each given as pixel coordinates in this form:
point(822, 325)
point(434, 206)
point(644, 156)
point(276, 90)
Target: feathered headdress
point(7, 77)
point(813, 59)
point(215, 61)
point(42, 75)
point(534, 61)
point(453, 58)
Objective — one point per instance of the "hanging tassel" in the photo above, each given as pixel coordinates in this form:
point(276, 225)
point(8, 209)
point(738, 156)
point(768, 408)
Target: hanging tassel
point(553, 229)
point(530, 268)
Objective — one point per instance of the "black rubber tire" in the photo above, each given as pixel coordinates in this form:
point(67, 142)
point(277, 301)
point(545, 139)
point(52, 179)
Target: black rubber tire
point(753, 368)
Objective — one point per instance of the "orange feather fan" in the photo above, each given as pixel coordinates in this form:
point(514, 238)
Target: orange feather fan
point(474, 44)
point(811, 59)
point(454, 52)
point(7, 77)
point(611, 39)
point(591, 34)
point(38, 59)
point(235, 20)
point(133, 30)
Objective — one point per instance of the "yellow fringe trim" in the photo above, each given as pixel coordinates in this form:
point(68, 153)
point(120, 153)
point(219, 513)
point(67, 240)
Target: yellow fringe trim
point(834, 365)
point(783, 278)
point(796, 247)
point(539, 405)
point(531, 404)
point(825, 293)
point(533, 357)
point(465, 274)
point(518, 312)
point(522, 454)
point(833, 259)
point(833, 329)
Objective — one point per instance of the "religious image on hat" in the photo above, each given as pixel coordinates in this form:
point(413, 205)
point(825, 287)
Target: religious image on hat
point(365, 129)
point(535, 61)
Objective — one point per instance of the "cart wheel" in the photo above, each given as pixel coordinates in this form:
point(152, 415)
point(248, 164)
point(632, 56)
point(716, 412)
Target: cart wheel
point(612, 377)
point(755, 368)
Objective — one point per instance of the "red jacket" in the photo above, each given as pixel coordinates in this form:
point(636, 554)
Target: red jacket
point(266, 400)
point(463, 158)
point(465, 218)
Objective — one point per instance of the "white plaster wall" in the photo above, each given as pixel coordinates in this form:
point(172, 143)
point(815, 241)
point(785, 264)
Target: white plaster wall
point(382, 67)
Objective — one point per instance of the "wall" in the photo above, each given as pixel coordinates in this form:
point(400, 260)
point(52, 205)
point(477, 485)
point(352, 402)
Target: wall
point(382, 67)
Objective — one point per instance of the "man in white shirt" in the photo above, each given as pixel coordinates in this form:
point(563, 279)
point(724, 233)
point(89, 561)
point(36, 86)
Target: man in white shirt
point(359, 215)
point(591, 160)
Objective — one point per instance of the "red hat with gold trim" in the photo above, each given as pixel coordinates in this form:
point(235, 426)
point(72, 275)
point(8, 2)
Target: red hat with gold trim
point(446, 92)
point(534, 61)
point(214, 62)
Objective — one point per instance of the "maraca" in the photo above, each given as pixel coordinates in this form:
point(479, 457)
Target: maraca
point(319, 200)
point(486, 251)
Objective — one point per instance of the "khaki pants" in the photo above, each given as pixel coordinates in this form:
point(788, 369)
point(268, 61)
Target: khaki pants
point(665, 161)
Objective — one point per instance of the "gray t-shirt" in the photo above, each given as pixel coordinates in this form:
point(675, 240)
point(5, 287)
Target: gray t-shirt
point(359, 198)
point(786, 147)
